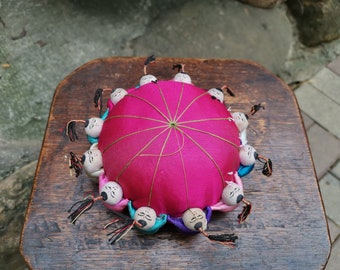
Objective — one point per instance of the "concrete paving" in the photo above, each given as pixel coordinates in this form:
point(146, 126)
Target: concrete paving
point(42, 41)
point(319, 100)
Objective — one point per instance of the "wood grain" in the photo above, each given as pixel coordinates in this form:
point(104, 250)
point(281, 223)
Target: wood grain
point(286, 230)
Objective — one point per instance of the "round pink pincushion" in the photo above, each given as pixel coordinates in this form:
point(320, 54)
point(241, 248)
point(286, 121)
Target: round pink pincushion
point(170, 146)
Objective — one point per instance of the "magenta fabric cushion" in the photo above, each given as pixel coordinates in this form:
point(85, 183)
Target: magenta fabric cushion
point(170, 146)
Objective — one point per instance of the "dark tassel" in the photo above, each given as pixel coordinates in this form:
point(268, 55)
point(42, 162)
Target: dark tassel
point(224, 239)
point(228, 90)
point(267, 169)
point(76, 164)
point(84, 205)
point(149, 60)
point(245, 212)
point(98, 100)
point(230, 238)
point(255, 108)
point(179, 67)
point(119, 232)
point(70, 129)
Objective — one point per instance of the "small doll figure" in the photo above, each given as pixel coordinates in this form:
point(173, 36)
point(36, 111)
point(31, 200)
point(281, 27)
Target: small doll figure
point(120, 202)
point(117, 95)
point(93, 162)
point(111, 192)
point(181, 76)
point(248, 157)
point(232, 189)
point(146, 219)
point(241, 121)
point(92, 126)
point(148, 78)
point(232, 195)
point(217, 93)
point(195, 220)
point(184, 226)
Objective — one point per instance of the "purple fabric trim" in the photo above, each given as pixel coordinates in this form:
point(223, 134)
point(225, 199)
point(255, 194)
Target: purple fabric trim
point(178, 222)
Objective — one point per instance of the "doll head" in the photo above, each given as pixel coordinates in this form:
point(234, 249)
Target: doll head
point(117, 95)
point(111, 192)
point(240, 120)
point(145, 217)
point(92, 161)
point(232, 194)
point(182, 77)
point(247, 155)
point(216, 93)
point(195, 219)
point(93, 126)
point(147, 79)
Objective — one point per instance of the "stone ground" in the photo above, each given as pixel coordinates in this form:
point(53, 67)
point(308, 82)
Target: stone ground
point(319, 101)
point(43, 41)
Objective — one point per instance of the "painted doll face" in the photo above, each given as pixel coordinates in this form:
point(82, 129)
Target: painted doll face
point(146, 217)
point(93, 126)
point(182, 77)
point(232, 194)
point(247, 155)
point(112, 193)
point(194, 218)
point(92, 160)
point(216, 94)
point(117, 95)
point(240, 120)
point(147, 79)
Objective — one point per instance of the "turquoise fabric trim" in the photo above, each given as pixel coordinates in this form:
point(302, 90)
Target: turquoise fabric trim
point(132, 210)
point(160, 221)
point(105, 114)
point(92, 140)
point(244, 170)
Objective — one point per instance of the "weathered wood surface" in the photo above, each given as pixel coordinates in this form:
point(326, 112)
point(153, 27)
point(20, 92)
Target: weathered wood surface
point(286, 230)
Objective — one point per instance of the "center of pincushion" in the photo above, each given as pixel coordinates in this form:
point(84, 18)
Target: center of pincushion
point(172, 124)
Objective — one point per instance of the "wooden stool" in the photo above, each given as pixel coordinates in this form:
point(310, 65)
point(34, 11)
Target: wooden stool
point(287, 228)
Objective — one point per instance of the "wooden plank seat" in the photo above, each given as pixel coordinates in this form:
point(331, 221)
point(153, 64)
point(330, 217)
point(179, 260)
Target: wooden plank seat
point(287, 228)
